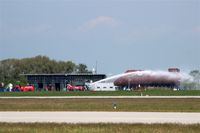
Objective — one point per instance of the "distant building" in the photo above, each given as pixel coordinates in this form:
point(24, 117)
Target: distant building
point(140, 79)
point(145, 79)
point(59, 81)
point(173, 70)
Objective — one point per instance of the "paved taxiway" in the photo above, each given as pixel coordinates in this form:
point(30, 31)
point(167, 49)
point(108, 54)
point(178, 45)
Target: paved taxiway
point(101, 117)
point(98, 97)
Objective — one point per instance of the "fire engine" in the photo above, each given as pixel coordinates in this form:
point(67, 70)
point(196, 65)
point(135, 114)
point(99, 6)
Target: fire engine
point(26, 88)
point(75, 88)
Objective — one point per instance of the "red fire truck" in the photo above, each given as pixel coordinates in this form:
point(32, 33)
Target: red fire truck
point(26, 88)
point(75, 88)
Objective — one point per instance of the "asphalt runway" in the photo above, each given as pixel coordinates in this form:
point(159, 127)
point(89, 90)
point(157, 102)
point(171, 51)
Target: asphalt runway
point(101, 117)
point(100, 97)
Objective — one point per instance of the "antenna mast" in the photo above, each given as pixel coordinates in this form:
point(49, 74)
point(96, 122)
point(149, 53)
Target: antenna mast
point(96, 67)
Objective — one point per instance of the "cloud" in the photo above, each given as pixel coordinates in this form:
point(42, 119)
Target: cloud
point(99, 21)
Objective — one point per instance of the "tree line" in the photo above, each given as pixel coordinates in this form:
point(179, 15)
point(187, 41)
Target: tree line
point(12, 70)
point(193, 85)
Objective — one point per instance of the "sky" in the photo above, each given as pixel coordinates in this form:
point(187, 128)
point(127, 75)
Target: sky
point(117, 34)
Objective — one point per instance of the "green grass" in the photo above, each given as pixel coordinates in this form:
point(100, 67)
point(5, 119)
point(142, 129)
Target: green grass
point(97, 128)
point(138, 105)
point(107, 93)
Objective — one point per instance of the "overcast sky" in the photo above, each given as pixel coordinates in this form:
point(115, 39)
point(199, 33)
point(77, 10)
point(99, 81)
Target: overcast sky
point(118, 34)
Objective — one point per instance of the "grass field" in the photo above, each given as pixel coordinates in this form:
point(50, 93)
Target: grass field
point(107, 93)
point(138, 105)
point(97, 128)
